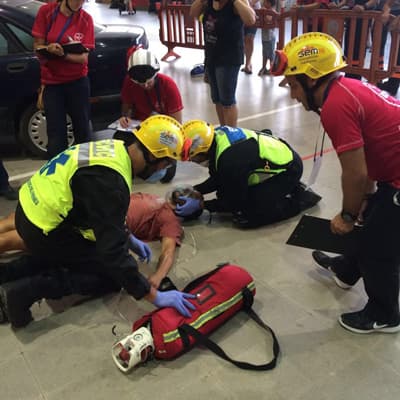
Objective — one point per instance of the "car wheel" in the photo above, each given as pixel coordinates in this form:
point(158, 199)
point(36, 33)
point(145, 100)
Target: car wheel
point(33, 131)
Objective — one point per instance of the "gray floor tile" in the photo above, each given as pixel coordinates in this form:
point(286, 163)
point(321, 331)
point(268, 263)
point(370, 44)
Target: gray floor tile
point(66, 355)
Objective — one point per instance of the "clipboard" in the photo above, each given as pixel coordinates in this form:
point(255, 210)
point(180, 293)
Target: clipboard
point(315, 233)
point(69, 48)
point(74, 48)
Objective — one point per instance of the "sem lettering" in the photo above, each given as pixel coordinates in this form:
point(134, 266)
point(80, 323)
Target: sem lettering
point(308, 52)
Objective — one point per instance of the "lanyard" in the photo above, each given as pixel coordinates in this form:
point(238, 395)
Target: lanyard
point(65, 27)
point(157, 88)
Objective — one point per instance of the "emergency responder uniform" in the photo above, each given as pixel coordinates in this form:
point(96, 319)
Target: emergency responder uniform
point(256, 175)
point(71, 216)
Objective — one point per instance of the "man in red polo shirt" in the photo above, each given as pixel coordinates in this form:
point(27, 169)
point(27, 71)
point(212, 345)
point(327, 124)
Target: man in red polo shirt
point(363, 124)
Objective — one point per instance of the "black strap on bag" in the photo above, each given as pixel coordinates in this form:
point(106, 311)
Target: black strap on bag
point(202, 339)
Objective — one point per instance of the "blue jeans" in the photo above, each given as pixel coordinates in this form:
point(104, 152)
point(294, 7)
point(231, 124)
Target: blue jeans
point(3, 178)
point(223, 81)
point(59, 100)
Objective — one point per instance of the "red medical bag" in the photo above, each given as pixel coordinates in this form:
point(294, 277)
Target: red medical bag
point(220, 294)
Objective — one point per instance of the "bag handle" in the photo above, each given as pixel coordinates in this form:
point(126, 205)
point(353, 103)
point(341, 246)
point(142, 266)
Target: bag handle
point(204, 340)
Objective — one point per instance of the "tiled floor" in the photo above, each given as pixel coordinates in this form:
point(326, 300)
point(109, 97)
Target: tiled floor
point(67, 355)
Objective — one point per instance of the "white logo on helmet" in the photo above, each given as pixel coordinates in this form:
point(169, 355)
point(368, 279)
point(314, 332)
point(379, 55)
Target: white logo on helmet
point(169, 139)
point(196, 142)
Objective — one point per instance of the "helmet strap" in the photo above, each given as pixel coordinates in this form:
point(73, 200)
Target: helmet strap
point(146, 155)
point(310, 92)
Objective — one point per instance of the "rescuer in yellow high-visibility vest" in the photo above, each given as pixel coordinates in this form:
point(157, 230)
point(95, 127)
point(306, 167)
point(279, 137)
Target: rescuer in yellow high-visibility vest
point(255, 175)
point(71, 217)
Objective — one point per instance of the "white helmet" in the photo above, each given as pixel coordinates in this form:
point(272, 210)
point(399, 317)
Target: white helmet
point(142, 65)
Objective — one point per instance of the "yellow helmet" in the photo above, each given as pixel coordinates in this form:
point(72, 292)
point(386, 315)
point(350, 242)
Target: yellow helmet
point(314, 54)
point(198, 137)
point(161, 135)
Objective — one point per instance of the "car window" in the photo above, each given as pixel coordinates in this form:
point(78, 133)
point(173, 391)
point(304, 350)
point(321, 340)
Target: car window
point(25, 38)
point(3, 45)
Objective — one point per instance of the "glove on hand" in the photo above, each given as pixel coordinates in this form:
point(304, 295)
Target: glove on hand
point(176, 299)
point(140, 248)
point(188, 208)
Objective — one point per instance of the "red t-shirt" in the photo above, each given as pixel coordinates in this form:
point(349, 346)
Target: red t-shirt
point(151, 218)
point(80, 29)
point(357, 114)
point(145, 102)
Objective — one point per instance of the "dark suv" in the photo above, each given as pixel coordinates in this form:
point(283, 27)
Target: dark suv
point(20, 72)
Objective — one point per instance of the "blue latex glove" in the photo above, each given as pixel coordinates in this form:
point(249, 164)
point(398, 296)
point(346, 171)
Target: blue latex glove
point(191, 205)
point(140, 248)
point(175, 299)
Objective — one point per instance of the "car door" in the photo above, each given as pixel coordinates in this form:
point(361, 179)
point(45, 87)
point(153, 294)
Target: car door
point(19, 73)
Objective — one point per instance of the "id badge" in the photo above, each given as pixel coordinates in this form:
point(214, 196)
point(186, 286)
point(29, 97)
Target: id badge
point(315, 171)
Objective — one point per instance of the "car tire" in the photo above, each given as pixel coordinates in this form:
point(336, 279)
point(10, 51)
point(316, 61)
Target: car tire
point(33, 132)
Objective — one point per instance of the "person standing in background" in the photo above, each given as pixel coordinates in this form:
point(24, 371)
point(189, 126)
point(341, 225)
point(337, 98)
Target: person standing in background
point(223, 22)
point(64, 75)
point(268, 39)
point(249, 33)
point(389, 7)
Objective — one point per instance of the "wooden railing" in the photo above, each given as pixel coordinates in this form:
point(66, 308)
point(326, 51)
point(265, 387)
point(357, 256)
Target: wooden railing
point(352, 30)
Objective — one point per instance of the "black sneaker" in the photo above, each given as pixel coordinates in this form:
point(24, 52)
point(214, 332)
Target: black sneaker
point(325, 262)
point(359, 322)
point(11, 305)
point(307, 198)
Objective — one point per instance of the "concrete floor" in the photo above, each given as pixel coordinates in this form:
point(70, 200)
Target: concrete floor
point(67, 355)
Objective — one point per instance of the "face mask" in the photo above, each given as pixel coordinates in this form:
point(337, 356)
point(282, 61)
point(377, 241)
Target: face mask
point(156, 176)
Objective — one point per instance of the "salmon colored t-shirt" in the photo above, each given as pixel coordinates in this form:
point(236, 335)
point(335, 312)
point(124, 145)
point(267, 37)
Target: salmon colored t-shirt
point(151, 218)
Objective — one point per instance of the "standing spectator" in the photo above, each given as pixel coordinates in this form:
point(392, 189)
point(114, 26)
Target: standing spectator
point(363, 125)
point(249, 33)
point(146, 92)
point(268, 39)
point(223, 37)
point(302, 6)
point(393, 83)
point(64, 75)
point(6, 190)
point(358, 6)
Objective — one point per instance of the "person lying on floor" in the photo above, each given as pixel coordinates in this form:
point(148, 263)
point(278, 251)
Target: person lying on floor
point(256, 175)
point(23, 281)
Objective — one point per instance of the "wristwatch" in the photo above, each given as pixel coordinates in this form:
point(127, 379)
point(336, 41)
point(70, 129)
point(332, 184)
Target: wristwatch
point(348, 217)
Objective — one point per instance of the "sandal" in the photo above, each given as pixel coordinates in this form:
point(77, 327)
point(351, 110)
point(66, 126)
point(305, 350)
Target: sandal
point(247, 71)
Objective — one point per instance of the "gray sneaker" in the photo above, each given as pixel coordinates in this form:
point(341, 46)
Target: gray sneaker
point(325, 262)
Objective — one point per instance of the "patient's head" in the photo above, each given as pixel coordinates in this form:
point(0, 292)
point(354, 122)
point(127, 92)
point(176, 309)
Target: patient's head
point(174, 198)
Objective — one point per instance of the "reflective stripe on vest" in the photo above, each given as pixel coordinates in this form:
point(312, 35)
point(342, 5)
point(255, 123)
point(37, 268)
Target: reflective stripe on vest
point(275, 153)
point(47, 197)
point(210, 314)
